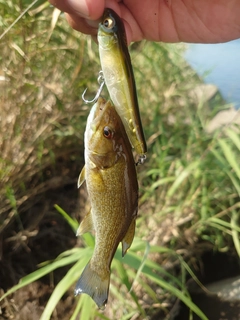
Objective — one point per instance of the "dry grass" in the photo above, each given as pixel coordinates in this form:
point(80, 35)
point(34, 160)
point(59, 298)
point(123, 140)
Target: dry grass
point(42, 115)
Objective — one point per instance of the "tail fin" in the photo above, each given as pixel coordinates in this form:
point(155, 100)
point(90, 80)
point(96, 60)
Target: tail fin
point(93, 285)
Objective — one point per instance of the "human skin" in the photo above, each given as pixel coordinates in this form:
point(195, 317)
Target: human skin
point(199, 21)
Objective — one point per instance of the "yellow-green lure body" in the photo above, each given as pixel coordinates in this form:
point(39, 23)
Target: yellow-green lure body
point(119, 77)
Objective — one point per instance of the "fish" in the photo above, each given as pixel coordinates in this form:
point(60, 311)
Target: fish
point(111, 180)
point(119, 77)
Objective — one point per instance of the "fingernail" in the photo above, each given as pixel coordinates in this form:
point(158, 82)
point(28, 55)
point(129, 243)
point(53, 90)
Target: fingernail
point(80, 6)
point(93, 23)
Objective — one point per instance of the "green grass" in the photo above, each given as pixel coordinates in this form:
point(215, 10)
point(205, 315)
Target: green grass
point(126, 275)
point(189, 185)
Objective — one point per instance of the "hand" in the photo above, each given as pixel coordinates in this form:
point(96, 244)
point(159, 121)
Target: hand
point(200, 21)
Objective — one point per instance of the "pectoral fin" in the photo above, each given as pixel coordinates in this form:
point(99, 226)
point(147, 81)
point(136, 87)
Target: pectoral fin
point(128, 239)
point(81, 177)
point(86, 225)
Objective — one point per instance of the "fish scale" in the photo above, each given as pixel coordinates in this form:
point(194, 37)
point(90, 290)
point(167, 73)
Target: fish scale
point(108, 201)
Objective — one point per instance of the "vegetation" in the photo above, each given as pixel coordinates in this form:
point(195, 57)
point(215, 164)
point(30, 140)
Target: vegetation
point(189, 185)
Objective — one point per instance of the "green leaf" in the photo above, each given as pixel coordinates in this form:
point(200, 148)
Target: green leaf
point(182, 177)
point(73, 223)
point(225, 223)
point(71, 277)
point(177, 293)
point(235, 219)
point(77, 254)
point(230, 156)
point(234, 136)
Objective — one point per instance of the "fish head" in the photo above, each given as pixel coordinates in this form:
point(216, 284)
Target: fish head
point(111, 30)
point(105, 136)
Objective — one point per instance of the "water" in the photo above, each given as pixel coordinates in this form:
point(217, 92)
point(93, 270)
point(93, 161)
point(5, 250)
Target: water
point(218, 64)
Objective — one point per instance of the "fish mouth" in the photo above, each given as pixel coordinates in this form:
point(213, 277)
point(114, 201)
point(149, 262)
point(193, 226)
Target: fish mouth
point(97, 113)
point(94, 117)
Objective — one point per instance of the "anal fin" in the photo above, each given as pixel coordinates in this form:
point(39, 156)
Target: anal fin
point(86, 225)
point(128, 238)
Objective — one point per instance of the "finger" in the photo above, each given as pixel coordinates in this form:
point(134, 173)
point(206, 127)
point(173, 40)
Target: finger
point(82, 25)
point(83, 8)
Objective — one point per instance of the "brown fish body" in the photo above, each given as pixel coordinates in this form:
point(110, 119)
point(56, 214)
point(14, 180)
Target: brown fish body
point(111, 179)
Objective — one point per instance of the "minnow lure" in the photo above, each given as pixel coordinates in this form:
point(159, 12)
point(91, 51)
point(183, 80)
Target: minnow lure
point(119, 78)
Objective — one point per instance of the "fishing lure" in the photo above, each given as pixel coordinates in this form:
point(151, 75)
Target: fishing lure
point(118, 75)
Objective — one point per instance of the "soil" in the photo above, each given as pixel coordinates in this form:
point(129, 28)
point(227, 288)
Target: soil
point(46, 234)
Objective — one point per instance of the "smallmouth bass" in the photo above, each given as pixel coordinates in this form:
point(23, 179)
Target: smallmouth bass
point(111, 179)
point(119, 77)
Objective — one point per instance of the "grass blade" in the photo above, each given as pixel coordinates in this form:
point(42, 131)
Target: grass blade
point(86, 252)
point(236, 230)
point(234, 136)
point(72, 222)
point(182, 176)
point(230, 156)
point(71, 277)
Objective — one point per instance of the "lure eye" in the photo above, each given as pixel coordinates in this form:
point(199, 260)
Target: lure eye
point(109, 23)
point(107, 132)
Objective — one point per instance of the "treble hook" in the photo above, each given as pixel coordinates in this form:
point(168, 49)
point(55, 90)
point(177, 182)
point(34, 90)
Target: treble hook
point(101, 82)
point(141, 159)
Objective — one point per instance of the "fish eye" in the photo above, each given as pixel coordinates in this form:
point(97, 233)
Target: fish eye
point(107, 132)
point(109, 23)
